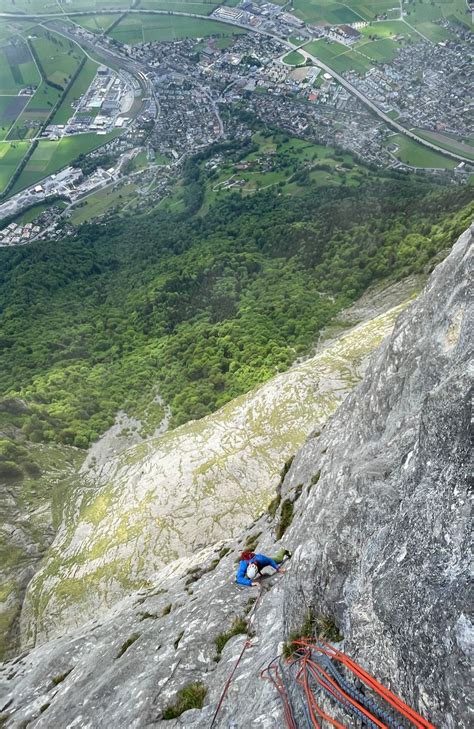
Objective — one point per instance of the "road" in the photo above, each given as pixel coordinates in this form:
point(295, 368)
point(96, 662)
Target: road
point(291, 46)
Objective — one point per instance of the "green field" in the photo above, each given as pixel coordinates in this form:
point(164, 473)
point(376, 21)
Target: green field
point(80, 85)
point(34, 212)
point(422, 14)
point(278, 162)
point(338, 56)
point(36, 111)
point(102, 201)
point(328, 12)
point(143, 28)
point(51, 156)
point(452, 145)
point(96, 23)
point(14, 76)
point(10, 108)
point(414, 154)
point(51, 6)
point(183, 6)
point(59, 57)
point(11, 154)
point(294, 59)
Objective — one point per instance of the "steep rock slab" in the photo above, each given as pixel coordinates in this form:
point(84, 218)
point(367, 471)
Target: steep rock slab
point(384, 535)
point(204, 481)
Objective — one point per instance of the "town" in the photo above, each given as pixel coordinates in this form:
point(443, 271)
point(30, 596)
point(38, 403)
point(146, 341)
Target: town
point(172, 99)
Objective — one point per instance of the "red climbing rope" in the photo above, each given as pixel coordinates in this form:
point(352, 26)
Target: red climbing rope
point(247, 644)
point(305, 657)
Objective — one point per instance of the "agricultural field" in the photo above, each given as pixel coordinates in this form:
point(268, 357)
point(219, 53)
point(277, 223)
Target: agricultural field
point(51, 156)
point(96, 23)
point(327, 12)
point(11, 154)
point(59, 57)
point(423, 15)
point(35, 112)
point(10, 108)
point(102, 201)
point(78, 88)
point(143, 28)
point(51, 6)
point(451, 143)
point(17, 67)
point(200, 7)
point(339, 57)
point(414, 154)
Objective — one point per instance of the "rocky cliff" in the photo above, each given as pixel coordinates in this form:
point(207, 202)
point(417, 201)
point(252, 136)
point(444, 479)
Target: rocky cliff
point(375, 510)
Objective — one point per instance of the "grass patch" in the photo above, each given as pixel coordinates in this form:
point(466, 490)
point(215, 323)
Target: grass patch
point(238, 627)
point(223, 552)
point(189, 697)
point(252, 541)
point(326, 628)
point(146, 615)
point(306, 631)
point(286, 517)
point(127, 644)
point(314, 480)
point(178, 639)
point(273, 505)
point(60, 677)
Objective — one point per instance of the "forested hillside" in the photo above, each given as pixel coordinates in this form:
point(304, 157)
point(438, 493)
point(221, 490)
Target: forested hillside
point(200, 309)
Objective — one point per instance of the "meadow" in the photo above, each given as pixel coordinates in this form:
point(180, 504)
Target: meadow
point(416, 155)
point(143, 28)
point(339, 57)
point(11, 155)
point(51, 156)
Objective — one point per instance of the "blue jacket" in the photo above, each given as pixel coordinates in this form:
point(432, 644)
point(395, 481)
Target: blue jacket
point(260, 560)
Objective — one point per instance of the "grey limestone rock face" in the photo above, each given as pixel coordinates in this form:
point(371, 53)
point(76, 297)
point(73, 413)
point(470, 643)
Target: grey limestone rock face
point(380, 539)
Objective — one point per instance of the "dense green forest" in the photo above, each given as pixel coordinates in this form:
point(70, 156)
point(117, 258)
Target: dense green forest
point(202, 308)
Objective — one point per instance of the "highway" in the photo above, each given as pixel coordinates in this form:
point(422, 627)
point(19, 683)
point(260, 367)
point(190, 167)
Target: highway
point(291, 46)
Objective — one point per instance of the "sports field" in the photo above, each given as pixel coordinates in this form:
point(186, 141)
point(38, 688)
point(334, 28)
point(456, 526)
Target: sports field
point(143, 28)
point(293, 59)
point(417, 155)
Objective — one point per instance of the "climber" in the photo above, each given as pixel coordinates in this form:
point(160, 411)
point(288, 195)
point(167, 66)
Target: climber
point(251, 565)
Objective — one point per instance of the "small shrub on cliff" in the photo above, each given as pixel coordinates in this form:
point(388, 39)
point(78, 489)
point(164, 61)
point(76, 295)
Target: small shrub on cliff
point(189, 697)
